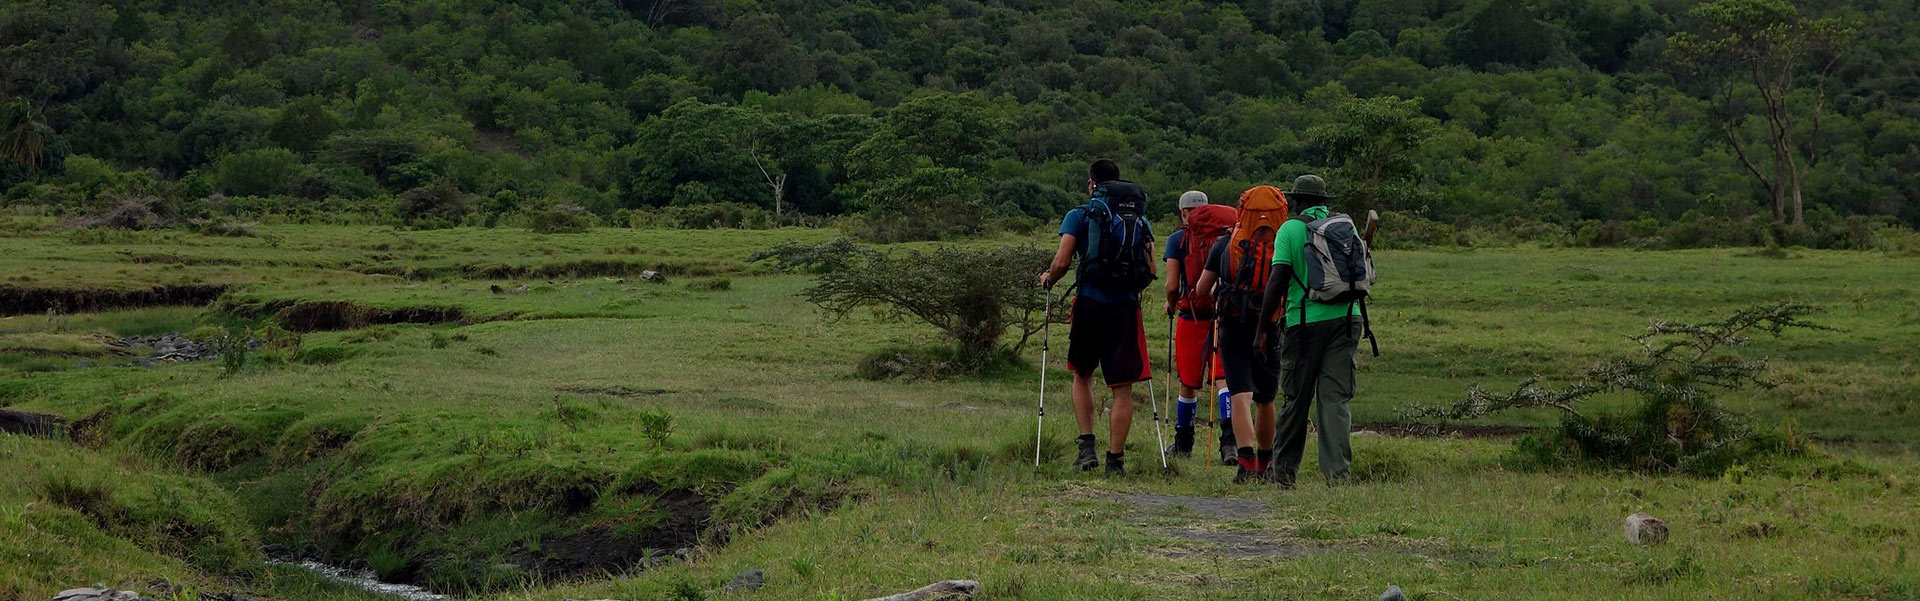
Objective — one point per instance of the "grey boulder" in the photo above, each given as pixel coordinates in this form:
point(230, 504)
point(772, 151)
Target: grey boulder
point(1643, 529)
point(747, 581)
point(97, 594)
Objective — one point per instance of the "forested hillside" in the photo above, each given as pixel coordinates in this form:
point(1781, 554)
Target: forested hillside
point(1552, 115)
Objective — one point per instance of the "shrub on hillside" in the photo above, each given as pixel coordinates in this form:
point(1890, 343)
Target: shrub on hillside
point(438, 204)
point(263, 172)
point(973, 296)
point(1676, 426)
point(560, 218)
point(131, 213)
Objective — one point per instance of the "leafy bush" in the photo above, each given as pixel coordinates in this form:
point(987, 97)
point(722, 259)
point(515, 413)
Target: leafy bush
point(560, 218)
point(438, 204)
point(263, 172)
point(973, 296)
point(1677, 426)
point(133, 213)
point(656, 426)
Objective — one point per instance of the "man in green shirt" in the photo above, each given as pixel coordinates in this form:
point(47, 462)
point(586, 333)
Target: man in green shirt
point(1316, 350)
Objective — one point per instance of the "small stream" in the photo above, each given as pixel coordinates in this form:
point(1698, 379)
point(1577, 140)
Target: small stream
point(365, 580)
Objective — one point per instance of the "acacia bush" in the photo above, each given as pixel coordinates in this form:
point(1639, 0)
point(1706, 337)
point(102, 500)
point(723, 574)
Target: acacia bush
point(1676, 426)
point(975, 297)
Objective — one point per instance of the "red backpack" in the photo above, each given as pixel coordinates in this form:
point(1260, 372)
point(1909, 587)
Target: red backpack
point(1205, 224)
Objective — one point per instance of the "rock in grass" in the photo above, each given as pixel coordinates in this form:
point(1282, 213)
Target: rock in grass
point(653, 276)
point(1393, 594)
point(749, 580)
point(97, 594)
point(1643, 529)
point(945, 590)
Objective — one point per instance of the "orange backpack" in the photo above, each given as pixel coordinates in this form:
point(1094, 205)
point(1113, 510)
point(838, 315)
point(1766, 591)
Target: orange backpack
point(1250, 252)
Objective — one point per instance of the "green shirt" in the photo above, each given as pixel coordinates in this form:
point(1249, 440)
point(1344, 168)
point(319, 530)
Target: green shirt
point(1289, 248)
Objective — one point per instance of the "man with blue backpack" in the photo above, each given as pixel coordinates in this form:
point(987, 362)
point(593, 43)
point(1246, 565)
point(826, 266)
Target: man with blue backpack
point(1321, 277)
point(1111, 239)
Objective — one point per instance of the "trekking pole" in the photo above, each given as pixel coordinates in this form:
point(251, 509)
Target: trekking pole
point(1173, 380)
point(1153, 399)
point(1046, 333)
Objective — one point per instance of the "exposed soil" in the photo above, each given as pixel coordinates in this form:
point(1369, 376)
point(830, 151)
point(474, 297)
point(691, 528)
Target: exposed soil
point(1240, 543)
point(1416, 430)
point(15, 300)
point(601, 550)
point(319, 316)
point(39, 425)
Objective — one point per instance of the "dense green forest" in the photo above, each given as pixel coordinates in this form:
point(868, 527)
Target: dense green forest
point(1668, 122)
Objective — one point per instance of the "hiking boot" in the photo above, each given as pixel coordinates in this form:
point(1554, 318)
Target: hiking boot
point(1281, 479)
point(1087, 460)
point(1228, 456)
point(1116, 465)
point(1182, 442)
point(1246, 472)
point(1243, 475)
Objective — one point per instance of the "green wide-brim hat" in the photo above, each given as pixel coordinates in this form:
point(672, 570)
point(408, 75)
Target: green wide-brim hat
point(1309, 185)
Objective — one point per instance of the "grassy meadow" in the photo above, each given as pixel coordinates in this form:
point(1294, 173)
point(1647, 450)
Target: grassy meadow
point(560, 416)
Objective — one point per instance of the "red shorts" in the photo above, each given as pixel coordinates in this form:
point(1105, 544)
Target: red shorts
point(1189, 341)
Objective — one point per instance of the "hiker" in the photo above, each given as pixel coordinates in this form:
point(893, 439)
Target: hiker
point(1114, 245)
point(1317, 347)
point(1201, 224)
point(1237, 271)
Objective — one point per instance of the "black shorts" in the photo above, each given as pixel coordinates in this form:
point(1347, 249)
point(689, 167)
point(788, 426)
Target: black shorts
point(1246, 372)
point(1109, 336)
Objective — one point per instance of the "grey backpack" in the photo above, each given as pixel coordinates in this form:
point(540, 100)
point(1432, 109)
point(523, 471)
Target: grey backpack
point(1339, 267)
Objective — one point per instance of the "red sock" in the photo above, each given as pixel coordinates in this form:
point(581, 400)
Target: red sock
point(1249, 464)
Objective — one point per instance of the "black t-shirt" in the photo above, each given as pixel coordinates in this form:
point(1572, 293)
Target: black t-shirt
point(1218, 262)
point(1217, 258)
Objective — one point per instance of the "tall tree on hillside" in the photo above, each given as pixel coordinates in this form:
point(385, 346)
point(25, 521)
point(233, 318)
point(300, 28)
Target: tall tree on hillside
point(1372, 142)
point(23, 134)
point(1739, 49)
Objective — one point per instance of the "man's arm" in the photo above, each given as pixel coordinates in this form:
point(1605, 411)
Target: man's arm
point(1174, 278)
point(1272, 301)
point(1062, 259)
point(1203, 292)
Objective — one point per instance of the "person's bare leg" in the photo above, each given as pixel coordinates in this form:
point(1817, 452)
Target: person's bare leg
point(1121, 419)
point(1242, 418)
point(1083, 402)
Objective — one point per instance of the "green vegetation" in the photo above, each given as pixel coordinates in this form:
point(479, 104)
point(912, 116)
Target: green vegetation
point(572, 425)
point(1669, 123)
point(537, 300)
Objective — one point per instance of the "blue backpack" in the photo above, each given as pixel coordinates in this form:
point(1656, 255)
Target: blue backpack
point(1117, 256)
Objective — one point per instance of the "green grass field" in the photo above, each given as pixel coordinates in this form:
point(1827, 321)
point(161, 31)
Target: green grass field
point(506, 454)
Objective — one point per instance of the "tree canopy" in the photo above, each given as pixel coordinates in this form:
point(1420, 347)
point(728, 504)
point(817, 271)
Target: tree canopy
point(1455, 111)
